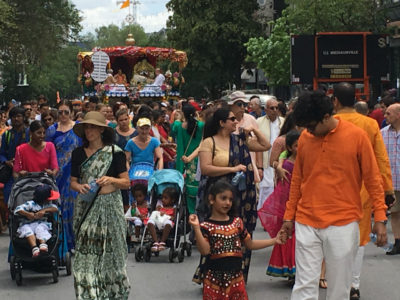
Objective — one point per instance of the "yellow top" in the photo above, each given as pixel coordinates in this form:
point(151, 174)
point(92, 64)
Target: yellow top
point(221, 156)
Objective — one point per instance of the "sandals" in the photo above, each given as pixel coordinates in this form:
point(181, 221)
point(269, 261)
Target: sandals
point(323, 283)
point(35, 252)
point(155, 247)
point(354, 294)
point(161, 246)
point(43, 248)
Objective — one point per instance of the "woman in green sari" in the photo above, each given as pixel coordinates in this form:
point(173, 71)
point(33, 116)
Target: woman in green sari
point(188, 135)
point(99, 224)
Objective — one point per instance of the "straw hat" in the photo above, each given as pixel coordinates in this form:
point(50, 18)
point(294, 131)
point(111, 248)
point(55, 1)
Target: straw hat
point(94, 118)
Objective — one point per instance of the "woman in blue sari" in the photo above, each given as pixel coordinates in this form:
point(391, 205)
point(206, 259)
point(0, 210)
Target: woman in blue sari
point(222, 154)
point(65, 141)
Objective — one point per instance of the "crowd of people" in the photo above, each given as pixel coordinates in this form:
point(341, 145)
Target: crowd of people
point(313, 170)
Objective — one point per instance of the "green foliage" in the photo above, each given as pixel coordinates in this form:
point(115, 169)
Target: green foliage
point(213, 33)
point(272, 55)
point(34, 36)
point(112, 35)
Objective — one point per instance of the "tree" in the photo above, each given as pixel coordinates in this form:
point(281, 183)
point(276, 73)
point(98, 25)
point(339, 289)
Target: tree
point(213, 33)
point(112, 35)
point(32, 37)
point(272, 55)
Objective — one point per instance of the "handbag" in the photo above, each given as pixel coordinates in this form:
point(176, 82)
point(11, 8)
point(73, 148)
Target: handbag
point(5, 172)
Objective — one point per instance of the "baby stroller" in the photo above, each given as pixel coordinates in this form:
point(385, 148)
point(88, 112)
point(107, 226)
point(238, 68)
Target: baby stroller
point(21, 255)
point(157, 183)
point(139, 173)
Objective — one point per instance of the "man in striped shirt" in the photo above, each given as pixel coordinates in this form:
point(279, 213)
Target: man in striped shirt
point(391, 138)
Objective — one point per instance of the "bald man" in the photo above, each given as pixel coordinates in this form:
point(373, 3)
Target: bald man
point(361, 107)
point(270, 125)
point(390, 136)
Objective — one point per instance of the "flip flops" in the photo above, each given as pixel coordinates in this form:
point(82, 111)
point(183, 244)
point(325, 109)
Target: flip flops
point(323, 283)
point(155, 247)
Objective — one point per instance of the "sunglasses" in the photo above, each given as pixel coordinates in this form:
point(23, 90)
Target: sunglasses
point(273, 107)
point(65, 112)
point(48, 119)
point(28, 109)
point(233, 119)
point(241, 104)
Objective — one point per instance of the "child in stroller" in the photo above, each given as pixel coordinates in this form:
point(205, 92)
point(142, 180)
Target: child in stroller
point(163, 218)
point(138, 214)
point(34, 225)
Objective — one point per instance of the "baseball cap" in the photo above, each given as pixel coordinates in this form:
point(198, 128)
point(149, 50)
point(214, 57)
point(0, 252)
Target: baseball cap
point(44, 192)
point(143, 121)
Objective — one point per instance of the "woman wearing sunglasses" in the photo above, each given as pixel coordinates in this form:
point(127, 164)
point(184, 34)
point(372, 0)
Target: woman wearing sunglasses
point(222, 154)
point(65, 141)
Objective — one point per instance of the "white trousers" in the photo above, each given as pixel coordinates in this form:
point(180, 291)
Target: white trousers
point(338, 245)
point(355, 282)
point(160, 220)
point(39, 229)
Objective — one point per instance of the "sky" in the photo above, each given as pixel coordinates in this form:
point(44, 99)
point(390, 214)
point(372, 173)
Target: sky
point(152, 14)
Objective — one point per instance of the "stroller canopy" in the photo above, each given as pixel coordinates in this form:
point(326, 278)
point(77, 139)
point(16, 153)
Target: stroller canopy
point(24, 187)
point(166, 177)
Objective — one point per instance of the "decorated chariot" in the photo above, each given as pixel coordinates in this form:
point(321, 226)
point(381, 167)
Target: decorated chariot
point(131, 71)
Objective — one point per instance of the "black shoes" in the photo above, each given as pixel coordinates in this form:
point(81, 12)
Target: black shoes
point(395, 250)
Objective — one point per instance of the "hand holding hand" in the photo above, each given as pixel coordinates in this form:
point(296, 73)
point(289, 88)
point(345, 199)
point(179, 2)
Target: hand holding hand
point(194, 220)
point(281, 237)
point(287, 228)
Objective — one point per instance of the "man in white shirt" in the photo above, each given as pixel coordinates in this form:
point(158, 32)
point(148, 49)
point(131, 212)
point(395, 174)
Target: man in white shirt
point(160, 78)
point(270, 125)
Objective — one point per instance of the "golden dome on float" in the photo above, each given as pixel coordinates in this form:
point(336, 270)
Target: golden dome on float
point(130, 41)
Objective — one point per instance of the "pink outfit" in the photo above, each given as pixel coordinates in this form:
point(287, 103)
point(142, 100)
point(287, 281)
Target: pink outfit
point(28, 159)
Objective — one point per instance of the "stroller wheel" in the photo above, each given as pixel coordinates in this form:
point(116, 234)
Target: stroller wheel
point(147, 255)
point(181, 255)
point(139, 254)
point(55, 275)
point(68, 263)
point(18, 278)
point(171, 255)
point(188, 249)
point(12, 267)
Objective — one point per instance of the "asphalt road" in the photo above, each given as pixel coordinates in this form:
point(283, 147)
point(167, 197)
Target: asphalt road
point(160, 279)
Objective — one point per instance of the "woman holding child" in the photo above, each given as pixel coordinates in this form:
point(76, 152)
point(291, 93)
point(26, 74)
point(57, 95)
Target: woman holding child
point(99, 224)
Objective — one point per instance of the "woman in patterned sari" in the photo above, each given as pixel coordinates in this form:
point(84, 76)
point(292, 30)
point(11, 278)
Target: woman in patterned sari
point(188, 135)
point(65, 141)
point(99, 224)
point(222, 155)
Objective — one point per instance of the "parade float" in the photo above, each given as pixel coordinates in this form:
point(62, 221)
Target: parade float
point(115, 73)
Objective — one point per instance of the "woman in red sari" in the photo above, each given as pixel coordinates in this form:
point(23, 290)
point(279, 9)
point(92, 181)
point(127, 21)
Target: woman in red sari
point(282, 262)
point(37, 155)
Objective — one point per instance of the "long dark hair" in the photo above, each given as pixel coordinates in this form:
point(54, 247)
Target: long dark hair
point(189, 112)
point(291, 137)
point(213, 125)
point(219, 187)
point(288, 124)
